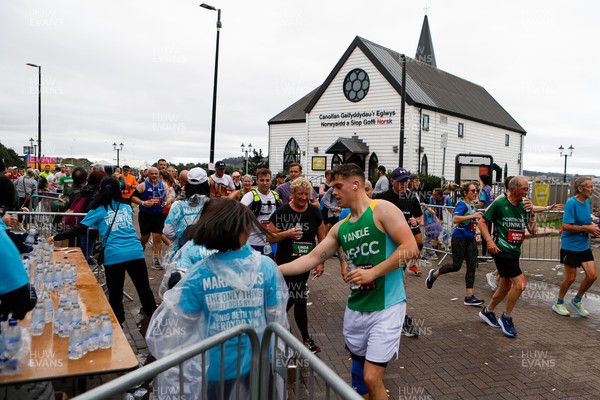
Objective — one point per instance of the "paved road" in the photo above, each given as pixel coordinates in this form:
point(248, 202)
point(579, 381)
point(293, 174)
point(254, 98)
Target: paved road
point(457, 356)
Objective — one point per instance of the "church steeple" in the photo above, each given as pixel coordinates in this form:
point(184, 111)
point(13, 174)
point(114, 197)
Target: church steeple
point(425, 51)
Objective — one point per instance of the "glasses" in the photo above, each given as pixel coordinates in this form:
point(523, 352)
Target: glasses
point(472, 190)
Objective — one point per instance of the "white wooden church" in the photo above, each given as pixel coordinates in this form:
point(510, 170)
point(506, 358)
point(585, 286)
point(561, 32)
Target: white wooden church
point(451, 125)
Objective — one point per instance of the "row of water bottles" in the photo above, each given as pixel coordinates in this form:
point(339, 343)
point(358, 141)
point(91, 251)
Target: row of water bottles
point(10, 344)
point(90, 336)
point(54, 276)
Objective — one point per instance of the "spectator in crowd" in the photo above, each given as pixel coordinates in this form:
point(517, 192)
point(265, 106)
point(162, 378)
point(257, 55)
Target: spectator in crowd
point(284, 191)
point(46, 172)
point(221, 184)
point(237, 179)
point(26, 185)
point(191, 306)
point(246, 186)
point(382, 184)
point(123, 251)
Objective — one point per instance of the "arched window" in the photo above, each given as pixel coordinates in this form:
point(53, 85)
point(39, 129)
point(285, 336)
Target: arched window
point(424, 165)
point(336, 160)
point(505, 170)
point(373, 164)
point(291, 154)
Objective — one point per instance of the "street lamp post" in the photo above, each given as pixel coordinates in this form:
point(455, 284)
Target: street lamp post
point(118, 148)
point(39, 149)
point(245, 151)
point(565, 155)
point(214, 104)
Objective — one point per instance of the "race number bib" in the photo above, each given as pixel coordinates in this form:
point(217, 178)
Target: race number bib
point(516, 236)
point(473, 225)
point(367, 286)
point(301, 248)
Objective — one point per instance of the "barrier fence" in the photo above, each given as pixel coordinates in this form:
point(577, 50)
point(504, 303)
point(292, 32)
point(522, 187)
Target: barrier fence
point(543, 246)
point(265, 364)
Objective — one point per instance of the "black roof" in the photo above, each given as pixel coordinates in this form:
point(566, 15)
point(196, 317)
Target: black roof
point(426, 87)
point(295, 112)
point(352, 145)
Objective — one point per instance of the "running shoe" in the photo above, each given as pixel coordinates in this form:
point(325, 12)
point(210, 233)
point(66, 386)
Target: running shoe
point(507, 326)
point(492, 280)
point(489, 317)
point(156, 264)
point(415, 270)
point(310, 345)
point(473, 301)
point(430, 278)
point(408, 328)
point(561, 309)
point(579, 308)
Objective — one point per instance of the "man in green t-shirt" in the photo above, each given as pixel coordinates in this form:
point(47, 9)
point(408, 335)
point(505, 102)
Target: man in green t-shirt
point(66, 180)
point(510, 220)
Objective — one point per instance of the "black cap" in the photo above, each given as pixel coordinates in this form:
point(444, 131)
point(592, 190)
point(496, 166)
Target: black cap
point(399, 174)
point(219, 165)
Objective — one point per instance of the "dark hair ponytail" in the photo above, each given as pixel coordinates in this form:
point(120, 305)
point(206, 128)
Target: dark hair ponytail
point(110, 189)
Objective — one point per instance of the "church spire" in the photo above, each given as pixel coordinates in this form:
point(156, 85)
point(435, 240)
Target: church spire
point(425, 51)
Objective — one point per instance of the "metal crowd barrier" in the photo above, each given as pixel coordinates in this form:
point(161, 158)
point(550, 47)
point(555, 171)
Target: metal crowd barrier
point(299, 359)
point(139, 376)
point(263, 362)
point(544, 246)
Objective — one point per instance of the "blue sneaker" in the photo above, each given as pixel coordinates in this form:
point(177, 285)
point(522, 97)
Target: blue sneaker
point(507, 326)
point(489, 317)
point(473, 301)
point(430, 278)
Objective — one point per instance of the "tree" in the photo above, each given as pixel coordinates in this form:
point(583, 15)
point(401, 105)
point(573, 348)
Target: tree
point(10, 157)
point(256, 162)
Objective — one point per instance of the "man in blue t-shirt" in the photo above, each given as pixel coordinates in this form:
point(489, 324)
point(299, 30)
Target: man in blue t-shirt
point(575, 249)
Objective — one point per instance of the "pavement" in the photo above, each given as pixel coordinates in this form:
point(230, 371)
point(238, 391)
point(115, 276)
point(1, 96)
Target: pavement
point(457, 355)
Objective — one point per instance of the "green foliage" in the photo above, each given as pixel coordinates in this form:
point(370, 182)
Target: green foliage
point(430, 182)
point(10, 157)
point(256, 162)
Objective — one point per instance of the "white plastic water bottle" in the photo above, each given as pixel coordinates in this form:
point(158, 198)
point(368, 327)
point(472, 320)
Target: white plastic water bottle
point(49, 278)
point(12, 343)
point(37, 320)
point(76, 343)
point(48, 308)
point(106, 331)
point(39, 278)
point(351, 267)
point(30, 239)
point(65, 322)
point(85, 336)
point(94, 332)
point(76, 315)
point(58, 317)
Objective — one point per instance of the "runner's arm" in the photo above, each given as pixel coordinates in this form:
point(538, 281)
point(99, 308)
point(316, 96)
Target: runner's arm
point(485, 235)
point(320, 254)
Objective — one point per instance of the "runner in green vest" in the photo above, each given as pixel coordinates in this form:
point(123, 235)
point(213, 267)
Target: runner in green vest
point(377, 242)
point(510, 220)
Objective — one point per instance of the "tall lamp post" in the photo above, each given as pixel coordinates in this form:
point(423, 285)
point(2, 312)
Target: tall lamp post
point(39, 149)
point(214, 104)
point(32, 149)
point(245, 151)
point(118, 148)
point(565, 155)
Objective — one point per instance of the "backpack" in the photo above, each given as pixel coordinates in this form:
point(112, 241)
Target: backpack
point(77, 206)
point(257, 204)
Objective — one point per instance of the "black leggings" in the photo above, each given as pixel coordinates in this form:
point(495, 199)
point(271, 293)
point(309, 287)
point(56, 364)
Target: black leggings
point(298, 295)
point(115, 279)
point(462, 250)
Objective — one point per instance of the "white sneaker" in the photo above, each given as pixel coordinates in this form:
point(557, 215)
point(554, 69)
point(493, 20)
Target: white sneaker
point(492, 280)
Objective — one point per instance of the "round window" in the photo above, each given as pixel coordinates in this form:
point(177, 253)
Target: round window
point(356, 85)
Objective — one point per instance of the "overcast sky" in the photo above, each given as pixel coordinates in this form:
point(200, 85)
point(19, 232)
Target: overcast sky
point(141, 72)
